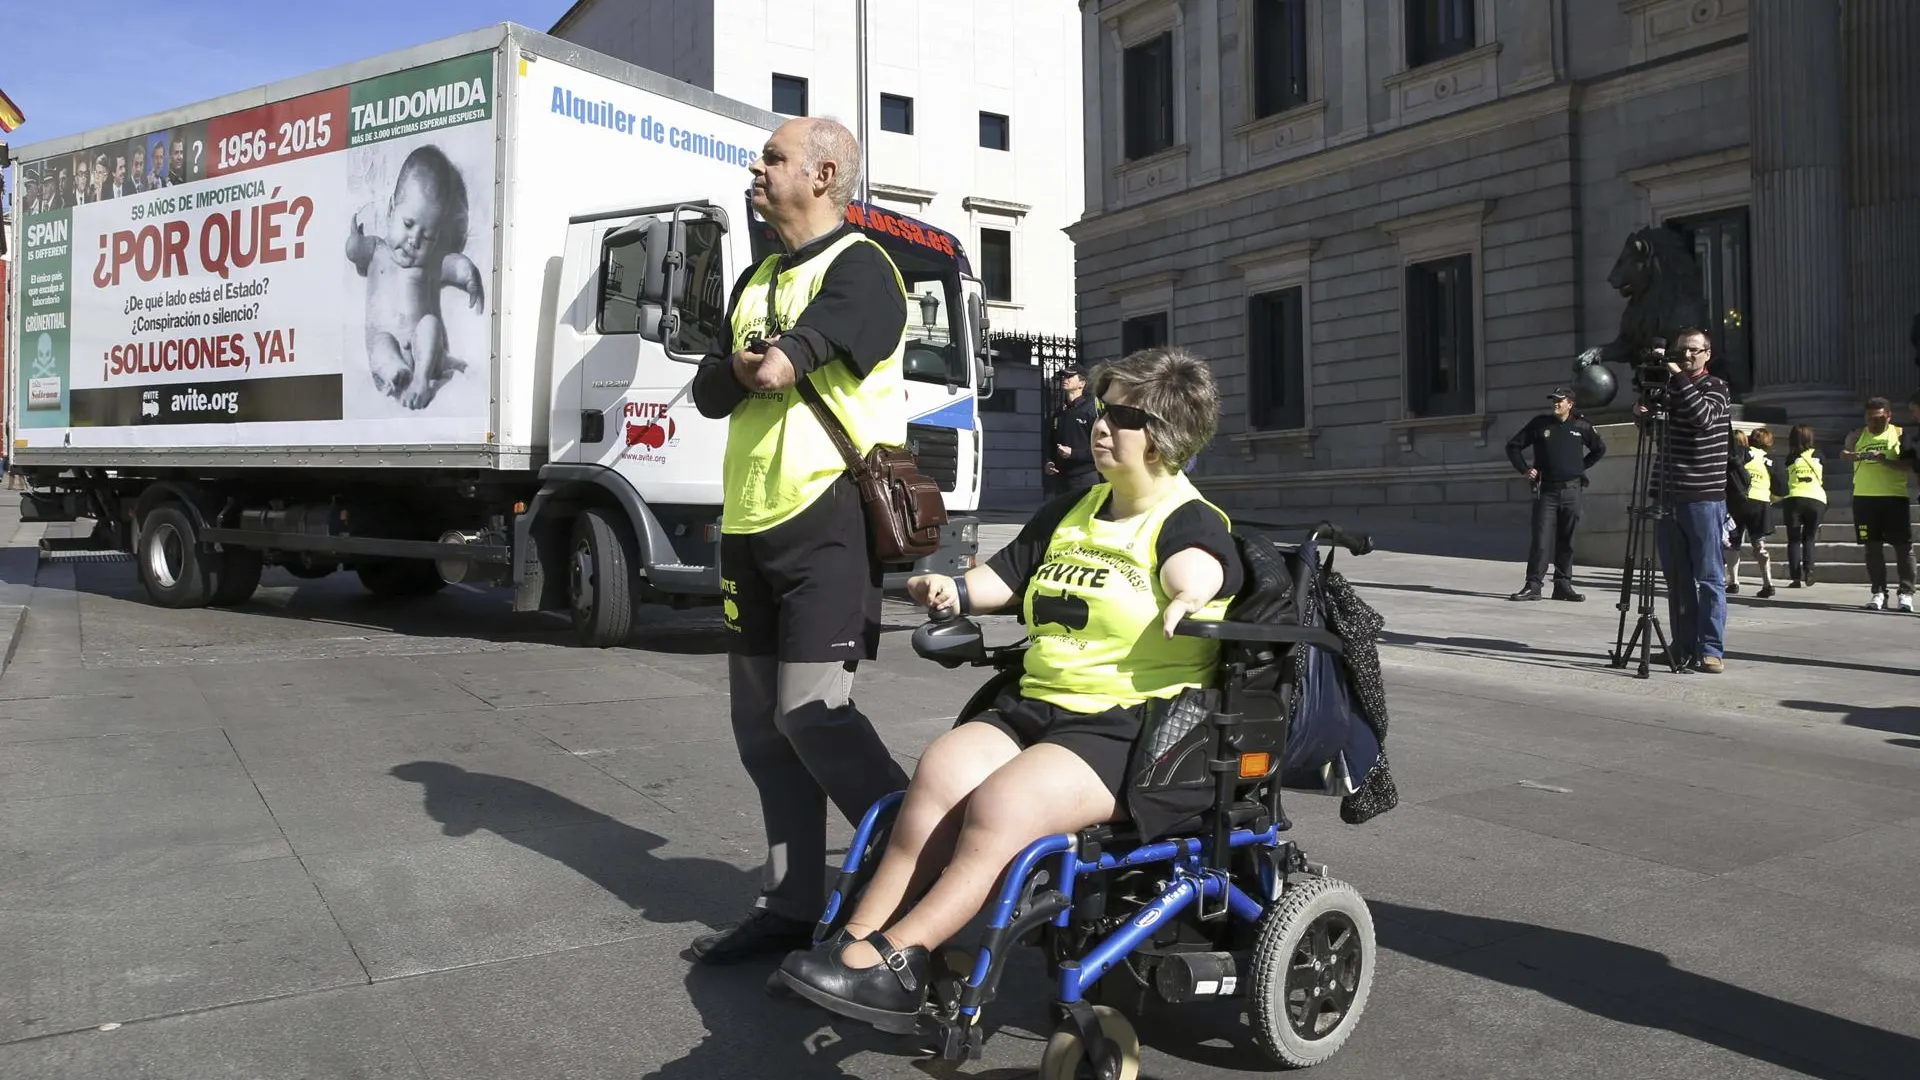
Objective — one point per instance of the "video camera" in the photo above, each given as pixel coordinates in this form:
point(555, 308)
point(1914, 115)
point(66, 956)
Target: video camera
point(1595, 387)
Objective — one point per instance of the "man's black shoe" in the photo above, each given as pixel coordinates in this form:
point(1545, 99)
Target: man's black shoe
point(1528, 593)
point(762, 934)
point(1566, 593)
point(888, 995)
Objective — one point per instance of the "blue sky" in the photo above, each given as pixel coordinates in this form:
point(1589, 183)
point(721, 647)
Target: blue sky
point(75, 65)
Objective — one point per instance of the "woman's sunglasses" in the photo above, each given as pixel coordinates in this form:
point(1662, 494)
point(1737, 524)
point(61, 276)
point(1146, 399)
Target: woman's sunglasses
point(1125, 417)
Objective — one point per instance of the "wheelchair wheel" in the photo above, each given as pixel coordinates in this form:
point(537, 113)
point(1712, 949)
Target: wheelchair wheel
point(1066, 1059)
point(1312, 971)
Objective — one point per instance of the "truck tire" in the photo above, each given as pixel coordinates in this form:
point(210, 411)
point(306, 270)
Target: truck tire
point(239, 576)
point(399, 579)
point(175, 570)
point(600, 578)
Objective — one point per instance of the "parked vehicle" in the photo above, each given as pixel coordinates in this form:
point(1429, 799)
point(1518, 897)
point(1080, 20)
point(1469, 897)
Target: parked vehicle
point(430, 317)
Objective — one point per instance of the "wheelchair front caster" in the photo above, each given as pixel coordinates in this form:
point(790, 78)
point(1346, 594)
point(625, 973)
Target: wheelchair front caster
point(1312, 970)
point(1066, 1055)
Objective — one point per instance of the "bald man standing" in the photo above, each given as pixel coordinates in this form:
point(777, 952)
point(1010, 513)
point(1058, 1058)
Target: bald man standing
point(802, 586)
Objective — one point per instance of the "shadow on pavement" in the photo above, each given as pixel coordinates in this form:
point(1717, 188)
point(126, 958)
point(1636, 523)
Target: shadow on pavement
point(1897, 720)
point(745, 1030)
point(1631, 985)
point(468, 613)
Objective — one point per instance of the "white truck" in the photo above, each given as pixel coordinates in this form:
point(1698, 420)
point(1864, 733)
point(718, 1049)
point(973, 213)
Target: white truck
point(430, 317)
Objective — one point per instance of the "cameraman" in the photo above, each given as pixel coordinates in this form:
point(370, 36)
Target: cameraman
point(1690, 479)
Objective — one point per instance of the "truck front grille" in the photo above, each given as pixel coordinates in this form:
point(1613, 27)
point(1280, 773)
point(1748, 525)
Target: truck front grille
point(937, 451)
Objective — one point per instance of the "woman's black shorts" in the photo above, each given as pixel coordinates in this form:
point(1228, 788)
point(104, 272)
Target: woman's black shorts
point(1103, 740)
point(1752, 520)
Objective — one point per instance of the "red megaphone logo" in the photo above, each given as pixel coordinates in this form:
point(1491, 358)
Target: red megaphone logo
point(653, 434)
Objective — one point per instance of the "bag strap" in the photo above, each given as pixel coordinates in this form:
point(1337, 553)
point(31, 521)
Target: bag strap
point(835, 430)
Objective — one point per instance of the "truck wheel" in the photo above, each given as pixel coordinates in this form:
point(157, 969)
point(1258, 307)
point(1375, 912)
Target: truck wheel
point(176, 571)
point(600, 584)
point(400, 578)
point(239, 576)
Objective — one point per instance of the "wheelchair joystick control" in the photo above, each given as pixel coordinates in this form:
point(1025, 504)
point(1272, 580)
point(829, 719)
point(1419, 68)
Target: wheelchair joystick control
point(950, 642)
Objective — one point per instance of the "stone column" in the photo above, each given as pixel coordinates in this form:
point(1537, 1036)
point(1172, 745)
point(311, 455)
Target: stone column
point(1800, 316)
point(1883, 112)
point(1096, 120)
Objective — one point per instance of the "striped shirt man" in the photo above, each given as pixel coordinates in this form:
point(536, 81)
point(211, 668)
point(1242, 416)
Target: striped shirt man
point(1699, 431)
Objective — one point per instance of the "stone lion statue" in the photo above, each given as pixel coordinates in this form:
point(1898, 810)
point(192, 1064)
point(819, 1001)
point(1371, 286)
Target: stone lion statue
point(1657, 275)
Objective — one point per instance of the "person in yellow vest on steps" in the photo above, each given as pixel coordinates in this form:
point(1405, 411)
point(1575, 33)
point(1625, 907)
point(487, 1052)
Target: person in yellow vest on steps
point(1881, 512)
point(1751, 491)
point(1804, 506)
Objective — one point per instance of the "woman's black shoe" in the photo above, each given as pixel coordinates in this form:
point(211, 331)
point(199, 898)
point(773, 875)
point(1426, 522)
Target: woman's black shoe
point(888, 995)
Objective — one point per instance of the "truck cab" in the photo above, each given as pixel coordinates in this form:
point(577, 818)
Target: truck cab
point(640, 298)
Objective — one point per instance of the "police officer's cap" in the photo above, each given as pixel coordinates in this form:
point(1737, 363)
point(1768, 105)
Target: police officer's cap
point(1560, 393)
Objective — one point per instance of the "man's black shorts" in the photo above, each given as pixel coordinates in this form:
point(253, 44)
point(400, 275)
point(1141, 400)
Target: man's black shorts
point(1885, 518)
point(1103, 740)
point(807, 590)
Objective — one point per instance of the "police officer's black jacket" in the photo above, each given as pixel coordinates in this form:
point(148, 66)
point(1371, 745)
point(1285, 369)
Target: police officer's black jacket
point(1562, 449)
point(1073, 429)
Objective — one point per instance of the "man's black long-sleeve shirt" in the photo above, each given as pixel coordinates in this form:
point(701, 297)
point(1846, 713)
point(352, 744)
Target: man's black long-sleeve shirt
point(857, 317)
point(1073, 429)
point(1562, 449)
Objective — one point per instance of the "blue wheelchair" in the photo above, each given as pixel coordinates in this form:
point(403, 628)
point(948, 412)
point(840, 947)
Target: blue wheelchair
point(1202, 897)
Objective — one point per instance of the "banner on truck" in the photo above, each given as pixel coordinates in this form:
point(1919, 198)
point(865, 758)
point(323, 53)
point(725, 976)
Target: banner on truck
point(313, 272)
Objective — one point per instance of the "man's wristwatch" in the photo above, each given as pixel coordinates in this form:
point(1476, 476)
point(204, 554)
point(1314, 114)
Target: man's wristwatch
point(961, 606)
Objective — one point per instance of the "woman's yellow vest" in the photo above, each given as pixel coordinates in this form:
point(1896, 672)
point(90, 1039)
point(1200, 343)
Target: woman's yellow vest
point(1759, 480)
point(1094, 610)
point(1806, 477)
point(778, 458)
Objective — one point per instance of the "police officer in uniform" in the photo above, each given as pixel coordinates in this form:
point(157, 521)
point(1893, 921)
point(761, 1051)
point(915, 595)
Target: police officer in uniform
point(1564, 447)
point(1070, 440)
point(802, 588)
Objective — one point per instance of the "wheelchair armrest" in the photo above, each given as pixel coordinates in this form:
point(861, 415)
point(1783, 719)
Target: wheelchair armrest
point(1275, 633)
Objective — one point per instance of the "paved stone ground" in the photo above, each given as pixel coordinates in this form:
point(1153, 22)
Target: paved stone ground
point(321, 836)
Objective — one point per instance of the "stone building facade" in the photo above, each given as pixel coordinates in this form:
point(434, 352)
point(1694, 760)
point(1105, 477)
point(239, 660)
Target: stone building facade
point(1389, 223)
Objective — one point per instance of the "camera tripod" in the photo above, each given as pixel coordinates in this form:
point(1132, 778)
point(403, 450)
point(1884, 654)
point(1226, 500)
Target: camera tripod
point(1641, 565)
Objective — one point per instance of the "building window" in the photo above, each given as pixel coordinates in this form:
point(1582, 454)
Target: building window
point(996, 132)
point(896, 114)
point(1147, 101)
point(1143, 332)
point(790, 95)
point(1276, 361)
point(1279, 56)
point(1440, 337)
point(1437, 29)
point(1719, 242)
point(996, 264)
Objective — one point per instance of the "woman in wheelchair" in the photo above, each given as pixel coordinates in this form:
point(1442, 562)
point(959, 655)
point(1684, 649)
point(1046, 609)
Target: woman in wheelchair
point(1102, 578)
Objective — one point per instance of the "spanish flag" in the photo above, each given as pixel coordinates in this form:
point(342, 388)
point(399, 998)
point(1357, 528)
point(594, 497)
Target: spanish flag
point(10, 115)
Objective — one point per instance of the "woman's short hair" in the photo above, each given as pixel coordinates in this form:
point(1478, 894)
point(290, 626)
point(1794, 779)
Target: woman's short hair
point(1800, 439)
point(1177, 389)
point(1739, 438)
point(1762, 438)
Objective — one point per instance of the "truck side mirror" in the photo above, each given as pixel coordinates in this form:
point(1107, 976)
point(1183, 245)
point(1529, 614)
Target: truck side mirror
point(681, 270)
point(978, 326)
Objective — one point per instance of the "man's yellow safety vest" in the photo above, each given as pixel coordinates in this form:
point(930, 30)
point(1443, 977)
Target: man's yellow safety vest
point(1872, 477)
point(778, 458)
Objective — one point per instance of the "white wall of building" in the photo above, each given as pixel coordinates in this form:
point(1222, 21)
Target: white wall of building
point(955, 59)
